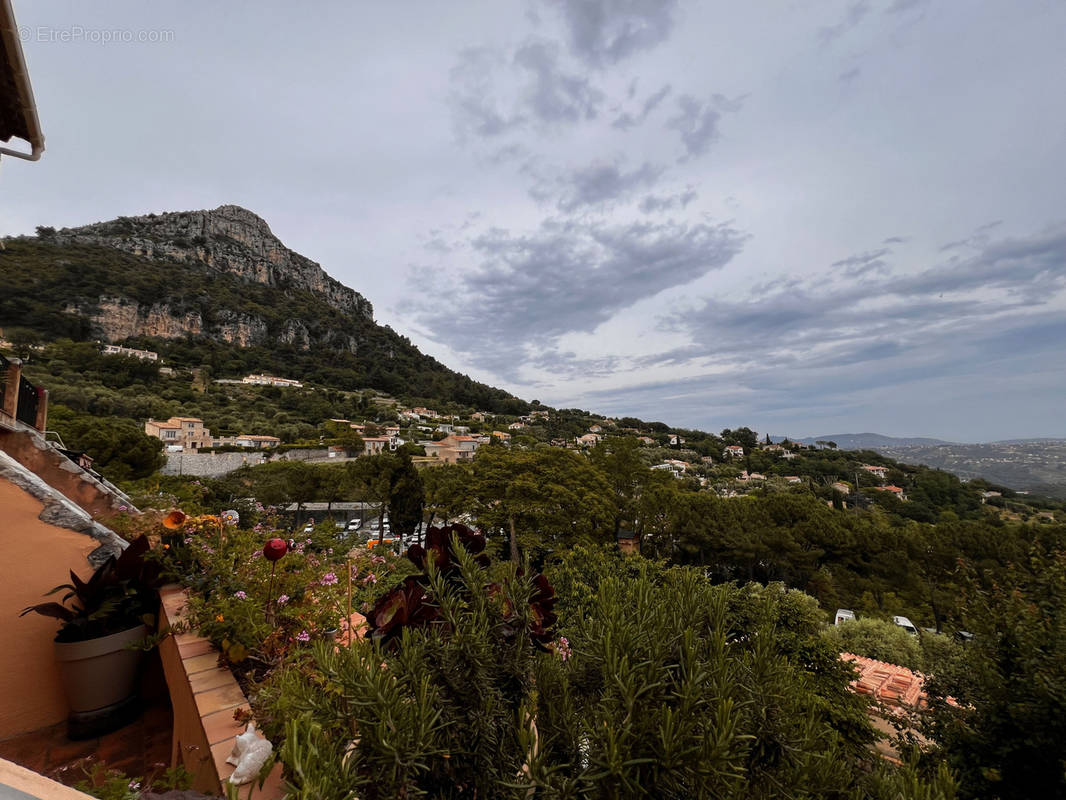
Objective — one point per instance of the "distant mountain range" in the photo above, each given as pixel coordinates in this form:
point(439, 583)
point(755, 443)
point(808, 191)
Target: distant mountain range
point(1030, 465)
point(866, 441)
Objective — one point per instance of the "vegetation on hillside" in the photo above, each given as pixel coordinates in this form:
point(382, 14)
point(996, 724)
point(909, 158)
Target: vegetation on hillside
point(52, 291)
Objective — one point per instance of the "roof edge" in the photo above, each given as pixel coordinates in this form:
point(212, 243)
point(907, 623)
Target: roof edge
point(9, 31)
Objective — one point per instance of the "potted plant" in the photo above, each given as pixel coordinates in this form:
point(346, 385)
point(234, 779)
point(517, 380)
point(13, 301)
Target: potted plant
point(94, 649)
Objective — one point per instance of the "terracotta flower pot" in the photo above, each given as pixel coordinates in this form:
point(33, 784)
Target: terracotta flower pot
point(98, 673)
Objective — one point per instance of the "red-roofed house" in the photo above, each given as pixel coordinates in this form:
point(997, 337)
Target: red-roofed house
point(896, 490)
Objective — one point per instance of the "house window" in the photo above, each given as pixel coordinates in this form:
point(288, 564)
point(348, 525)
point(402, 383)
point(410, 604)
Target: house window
point(171, 434)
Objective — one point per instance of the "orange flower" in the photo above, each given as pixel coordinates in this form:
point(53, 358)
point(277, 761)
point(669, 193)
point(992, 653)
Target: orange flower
point(220, 618)
point(174, 520)
point(211, 518)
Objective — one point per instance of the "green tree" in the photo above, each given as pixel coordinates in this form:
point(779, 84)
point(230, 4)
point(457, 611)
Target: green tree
point(119, 448)
point(1004, 732)
point(878, 639)
point(550, 495)
point(447, 488)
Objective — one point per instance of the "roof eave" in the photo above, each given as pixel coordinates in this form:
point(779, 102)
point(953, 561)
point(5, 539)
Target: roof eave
point(17, 65)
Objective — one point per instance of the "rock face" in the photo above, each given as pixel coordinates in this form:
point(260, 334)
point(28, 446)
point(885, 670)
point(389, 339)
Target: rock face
point(119, 318)
point(229, 239)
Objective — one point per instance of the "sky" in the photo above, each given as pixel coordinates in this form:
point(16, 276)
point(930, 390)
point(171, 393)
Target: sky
point(805, 217)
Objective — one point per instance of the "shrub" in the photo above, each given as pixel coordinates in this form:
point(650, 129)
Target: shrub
point(876, 639)
point(664, 686)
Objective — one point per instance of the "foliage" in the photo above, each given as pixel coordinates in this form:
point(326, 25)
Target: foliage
point(412, 605)
point(255, 619)
point(553, 497)
point(1004, 732)
point(668, 687)
point(877, 639)
point(43, 280)
point(120, 594)
point(119, 449)
point(106, 783)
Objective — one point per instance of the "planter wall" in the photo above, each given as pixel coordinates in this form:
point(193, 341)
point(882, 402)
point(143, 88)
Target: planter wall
point(204, 696)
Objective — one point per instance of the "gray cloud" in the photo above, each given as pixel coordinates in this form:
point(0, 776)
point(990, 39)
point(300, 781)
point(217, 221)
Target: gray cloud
point(697, 121)
point(625, 121)
point(474, 106)
point(600, 184)
point(553, 95)
point(901, 6)
point(567, 276)
point(855, 14)
point(655, 203)
point(862, 264)
point(493, 93)
point(819, 322)
point(604, 32)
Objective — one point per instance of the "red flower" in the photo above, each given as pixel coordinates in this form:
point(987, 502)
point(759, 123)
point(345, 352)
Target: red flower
point(275, 549)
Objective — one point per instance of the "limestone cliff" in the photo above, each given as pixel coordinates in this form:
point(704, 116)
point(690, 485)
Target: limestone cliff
point(229, 239)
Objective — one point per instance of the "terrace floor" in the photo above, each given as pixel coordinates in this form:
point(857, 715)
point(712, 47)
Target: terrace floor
point(139, 749)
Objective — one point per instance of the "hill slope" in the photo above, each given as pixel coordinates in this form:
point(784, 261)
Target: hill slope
point(216, 289)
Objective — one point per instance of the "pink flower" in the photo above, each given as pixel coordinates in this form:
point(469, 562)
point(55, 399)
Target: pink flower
point(303, 636)
point(283, 599)
point(329, 579)
point(377, 559)
point(241, 596)
point(562, 648)
point(370, 578)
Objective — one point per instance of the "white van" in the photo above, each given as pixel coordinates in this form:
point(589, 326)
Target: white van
point(906, 624)
point(843, 615)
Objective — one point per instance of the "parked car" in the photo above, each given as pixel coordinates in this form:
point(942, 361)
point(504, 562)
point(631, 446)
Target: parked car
point(906, 624)
point(843, 615)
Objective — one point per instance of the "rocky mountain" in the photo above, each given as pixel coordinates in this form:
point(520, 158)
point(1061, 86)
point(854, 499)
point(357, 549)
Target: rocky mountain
point(216, 289)
point(228, 239)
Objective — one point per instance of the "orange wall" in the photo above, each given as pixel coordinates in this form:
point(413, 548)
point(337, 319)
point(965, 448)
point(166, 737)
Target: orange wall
point(34, 557)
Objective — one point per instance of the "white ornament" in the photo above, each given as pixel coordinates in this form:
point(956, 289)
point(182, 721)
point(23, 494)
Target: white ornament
point(250, 752)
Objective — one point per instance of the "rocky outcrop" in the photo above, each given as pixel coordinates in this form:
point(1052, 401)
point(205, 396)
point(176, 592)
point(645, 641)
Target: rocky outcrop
point(244, 330)
point(229, 239)
point(118, 318)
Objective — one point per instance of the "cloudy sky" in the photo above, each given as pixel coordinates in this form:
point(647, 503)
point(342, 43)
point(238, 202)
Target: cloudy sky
point(806, 217)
